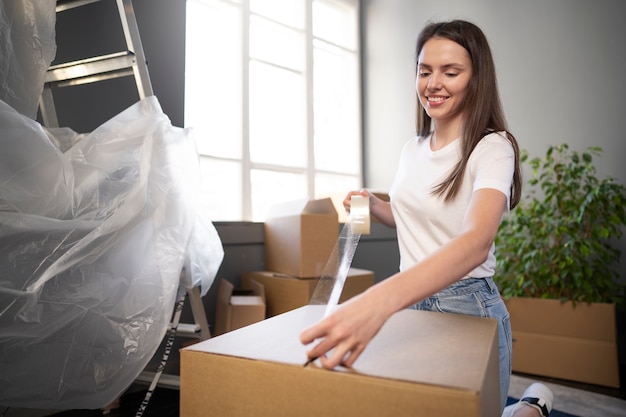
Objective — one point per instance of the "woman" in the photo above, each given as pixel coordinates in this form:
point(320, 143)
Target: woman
point(454, 182)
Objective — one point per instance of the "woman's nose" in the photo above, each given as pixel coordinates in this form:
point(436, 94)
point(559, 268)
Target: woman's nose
point(434, 82)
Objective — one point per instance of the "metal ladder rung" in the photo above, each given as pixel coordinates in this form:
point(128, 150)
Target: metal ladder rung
point(131, 62)
point(63, 5)
point(188, 330)
point(94, 69)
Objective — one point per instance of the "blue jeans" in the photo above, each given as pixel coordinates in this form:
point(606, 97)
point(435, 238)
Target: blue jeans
point(478, 297)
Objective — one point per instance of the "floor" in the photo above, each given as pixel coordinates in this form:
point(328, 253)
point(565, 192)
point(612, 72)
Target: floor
point(578, 399)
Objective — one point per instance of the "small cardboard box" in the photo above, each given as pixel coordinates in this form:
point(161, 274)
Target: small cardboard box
point(300, 237)
point(553, 339)
point(284, 293)
point(419, 364)
point(237, 308)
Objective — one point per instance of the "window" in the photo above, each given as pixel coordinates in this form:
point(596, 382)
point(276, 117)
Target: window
point(272, 94)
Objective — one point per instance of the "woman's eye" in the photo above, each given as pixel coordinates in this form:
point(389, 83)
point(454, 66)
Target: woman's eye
point(451, 74)
point(424, 74)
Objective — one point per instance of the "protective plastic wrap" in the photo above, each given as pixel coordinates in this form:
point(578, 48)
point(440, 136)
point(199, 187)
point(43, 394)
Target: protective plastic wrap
point(92, 242)
point(27, 47)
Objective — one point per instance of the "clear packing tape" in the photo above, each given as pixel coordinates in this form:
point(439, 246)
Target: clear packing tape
point(92, 243)
point(330, 285)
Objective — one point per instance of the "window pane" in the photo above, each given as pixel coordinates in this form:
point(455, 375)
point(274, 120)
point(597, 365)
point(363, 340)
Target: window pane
point(277, 116)
point(272, 187)
point(277, 44)
point(336, 187)
point(288, 12)
point(336, 109)
point(220, 193)
point(213, 92)
point(336, 22)
point(257, 116)
point(327, 185)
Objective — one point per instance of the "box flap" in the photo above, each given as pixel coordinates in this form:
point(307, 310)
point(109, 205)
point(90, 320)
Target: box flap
point(321, 206)
point(416, 346)
point(257, 288)
point(223, 314)
point(246, 300)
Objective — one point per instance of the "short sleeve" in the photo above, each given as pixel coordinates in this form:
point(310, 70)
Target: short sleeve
point(492, 164)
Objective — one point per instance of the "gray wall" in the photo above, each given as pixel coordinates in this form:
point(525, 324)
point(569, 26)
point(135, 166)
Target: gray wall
point(561, 66)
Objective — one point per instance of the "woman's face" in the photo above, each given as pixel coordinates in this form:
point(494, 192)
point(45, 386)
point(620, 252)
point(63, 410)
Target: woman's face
point(444, 70)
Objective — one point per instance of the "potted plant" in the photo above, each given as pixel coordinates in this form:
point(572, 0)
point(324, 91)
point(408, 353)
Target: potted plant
point(557, 258)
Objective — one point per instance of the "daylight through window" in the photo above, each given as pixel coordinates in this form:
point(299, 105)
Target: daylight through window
point(272, 94)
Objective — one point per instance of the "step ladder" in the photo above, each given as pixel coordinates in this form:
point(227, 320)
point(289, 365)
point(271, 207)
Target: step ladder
point(198, 330)
point(131, 62)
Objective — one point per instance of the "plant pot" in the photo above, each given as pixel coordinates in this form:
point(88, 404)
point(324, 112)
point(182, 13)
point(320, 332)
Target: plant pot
point(566, 341)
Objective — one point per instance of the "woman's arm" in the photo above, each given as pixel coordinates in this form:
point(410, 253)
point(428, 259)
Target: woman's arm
point(350, 328)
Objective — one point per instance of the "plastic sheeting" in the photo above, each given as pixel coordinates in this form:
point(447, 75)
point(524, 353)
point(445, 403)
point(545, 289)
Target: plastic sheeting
point(92, 242)
point(27, 47)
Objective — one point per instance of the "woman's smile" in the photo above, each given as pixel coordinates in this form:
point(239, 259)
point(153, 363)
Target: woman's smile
point(434, 101)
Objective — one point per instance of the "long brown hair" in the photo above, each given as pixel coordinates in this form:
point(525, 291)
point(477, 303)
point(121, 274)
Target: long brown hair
point(483, 98)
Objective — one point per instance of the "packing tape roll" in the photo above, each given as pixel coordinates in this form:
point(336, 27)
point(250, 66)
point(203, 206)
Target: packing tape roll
point(359, 218)
point(331, 282)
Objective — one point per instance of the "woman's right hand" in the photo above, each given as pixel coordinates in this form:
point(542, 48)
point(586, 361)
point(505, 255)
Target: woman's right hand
point(379, 208)
point(347, 202)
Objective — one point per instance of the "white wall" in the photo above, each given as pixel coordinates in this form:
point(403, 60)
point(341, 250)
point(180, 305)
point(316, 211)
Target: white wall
point(561, 69)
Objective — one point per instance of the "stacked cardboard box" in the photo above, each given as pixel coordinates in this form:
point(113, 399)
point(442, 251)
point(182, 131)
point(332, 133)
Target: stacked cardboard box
point(300, 241)
point(300, 237)
point(284, 292)
point(560, 340)
point(238, 308)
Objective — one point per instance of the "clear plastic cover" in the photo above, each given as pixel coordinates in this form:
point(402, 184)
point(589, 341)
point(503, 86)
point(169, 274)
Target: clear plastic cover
point(92, 243)
point(27, 47)
point(94, 231)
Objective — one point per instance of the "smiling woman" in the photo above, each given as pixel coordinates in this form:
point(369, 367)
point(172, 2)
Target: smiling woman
point(272, 92)
point(455, 180)
point(443, 76)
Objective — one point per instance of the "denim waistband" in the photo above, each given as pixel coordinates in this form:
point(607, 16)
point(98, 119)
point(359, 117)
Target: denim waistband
point(469, 285)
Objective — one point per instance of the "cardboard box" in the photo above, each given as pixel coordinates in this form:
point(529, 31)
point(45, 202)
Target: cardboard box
point(554, 339)
point(420, 364)
point(284, 293)
point(300, 237)
point(237, 308)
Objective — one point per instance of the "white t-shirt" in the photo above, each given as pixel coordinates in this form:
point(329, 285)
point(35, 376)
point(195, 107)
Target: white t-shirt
point(425, 222)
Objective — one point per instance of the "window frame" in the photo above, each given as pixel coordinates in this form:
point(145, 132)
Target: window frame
point(309, 170)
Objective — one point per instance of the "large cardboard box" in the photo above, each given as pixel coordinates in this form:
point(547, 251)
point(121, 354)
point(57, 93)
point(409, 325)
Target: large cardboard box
point(284, 293)
point(238, 308)
point(420, 364)
point(576, 343)
point(300, 237)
